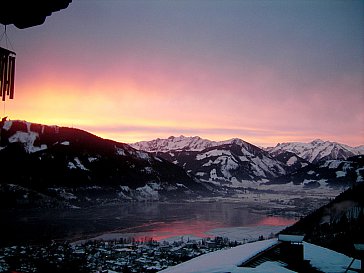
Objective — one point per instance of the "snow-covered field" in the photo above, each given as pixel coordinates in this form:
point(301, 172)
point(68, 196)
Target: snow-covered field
point(280, 199)
point(228, 260)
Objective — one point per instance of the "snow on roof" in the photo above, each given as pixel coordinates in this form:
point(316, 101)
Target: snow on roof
point(327, 260)
point(223, 260)
point(267, 267)
point(290, 238)
point(323, 259)
point(359, 247)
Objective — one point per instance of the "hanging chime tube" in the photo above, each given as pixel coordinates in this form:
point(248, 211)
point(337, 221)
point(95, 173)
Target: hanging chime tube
point(7, 73)
point(1, 75)
point(12, 77)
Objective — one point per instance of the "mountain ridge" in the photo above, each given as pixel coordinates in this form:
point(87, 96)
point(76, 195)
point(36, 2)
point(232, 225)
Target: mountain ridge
point(182, 142)
point(227, 162)
point(317, 150)
point(53, 157)
point(74, 165)
point(231, 162)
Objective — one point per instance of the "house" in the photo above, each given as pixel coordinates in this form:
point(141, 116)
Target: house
point(291, 248)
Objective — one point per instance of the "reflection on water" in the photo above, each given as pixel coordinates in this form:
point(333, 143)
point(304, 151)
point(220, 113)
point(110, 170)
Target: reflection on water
point(197, 228)
point(163, 230)
point(275, 221)
point(158, 220)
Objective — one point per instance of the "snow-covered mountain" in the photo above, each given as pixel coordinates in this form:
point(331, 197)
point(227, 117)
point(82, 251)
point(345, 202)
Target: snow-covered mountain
point(74, 165)
point(234, 162)
point(336, 172)
point(180, 143)
point(317, 150)
point(225, 162)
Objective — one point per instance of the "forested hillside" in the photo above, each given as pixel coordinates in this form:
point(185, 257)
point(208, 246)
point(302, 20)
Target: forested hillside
point(337, 225)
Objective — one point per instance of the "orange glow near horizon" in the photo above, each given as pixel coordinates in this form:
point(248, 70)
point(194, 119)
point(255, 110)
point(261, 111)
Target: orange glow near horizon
point(124, 120)
point(130, 117)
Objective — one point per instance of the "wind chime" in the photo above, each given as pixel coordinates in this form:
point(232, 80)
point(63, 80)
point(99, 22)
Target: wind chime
point(7, 71)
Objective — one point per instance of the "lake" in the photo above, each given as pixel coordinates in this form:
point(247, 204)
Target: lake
point(156, 219)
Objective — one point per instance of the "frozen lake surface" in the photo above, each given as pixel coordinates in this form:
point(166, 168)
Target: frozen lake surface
point(157, 220)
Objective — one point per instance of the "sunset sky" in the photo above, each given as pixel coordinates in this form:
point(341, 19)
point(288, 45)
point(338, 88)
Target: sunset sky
point(263, 71)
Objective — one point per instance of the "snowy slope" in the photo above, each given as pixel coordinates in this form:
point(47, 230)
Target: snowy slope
point(360, 149)
point(292, 161)
point(338, 172)
point(317, 150)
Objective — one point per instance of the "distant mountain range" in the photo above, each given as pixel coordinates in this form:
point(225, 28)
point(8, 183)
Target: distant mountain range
point(53, 166)
point(312, 152)
point(233, 161)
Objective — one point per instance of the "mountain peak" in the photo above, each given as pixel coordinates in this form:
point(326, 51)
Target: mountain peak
point(318, 141)
point(173, 137)
point(173, 143)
